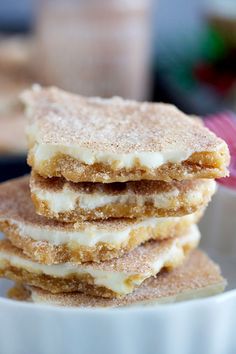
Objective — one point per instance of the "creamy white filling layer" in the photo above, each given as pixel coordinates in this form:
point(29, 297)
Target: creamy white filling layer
point(44, 152)
point(119, 282)
point(68, 199)
point(91, 235)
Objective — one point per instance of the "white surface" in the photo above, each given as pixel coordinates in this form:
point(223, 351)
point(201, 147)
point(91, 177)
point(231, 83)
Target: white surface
point(205, 326)
point(218, 229)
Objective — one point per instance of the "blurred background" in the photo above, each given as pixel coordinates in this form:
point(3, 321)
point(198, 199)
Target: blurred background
point(178, 51)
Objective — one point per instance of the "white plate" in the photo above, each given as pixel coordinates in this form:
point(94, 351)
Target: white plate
point(204, 326)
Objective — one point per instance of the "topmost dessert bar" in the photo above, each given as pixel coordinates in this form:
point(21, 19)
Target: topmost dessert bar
point(117, 140)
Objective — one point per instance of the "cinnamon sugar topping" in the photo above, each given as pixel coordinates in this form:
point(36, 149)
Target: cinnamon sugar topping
point(113, 125)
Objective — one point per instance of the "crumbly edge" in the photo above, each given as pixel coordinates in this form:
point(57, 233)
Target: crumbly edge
point(46, 253)
point(83, 283)
point(199, 165)
point(24, 293)
point(180, 206)
point(197, 277)
point(19, 292)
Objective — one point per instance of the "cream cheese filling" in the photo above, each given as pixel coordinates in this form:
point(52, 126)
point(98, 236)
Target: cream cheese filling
point(68, 199)
point(120, 282)
point(91, 235)
point(147, 159)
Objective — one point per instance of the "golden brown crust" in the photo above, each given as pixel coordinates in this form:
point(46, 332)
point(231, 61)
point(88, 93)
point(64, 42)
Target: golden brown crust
point(17, 212)
point(140, 198)
point(137, 265)
point(44, 252)
point(130, 211)
point(83, 283)
point(199, 165)
point(16, 206)
point(135, 188)
point(138, 261)
point(198, 276)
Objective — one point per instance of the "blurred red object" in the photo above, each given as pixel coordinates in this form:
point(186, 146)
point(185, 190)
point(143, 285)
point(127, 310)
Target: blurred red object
point(222, 82)
point(224, 126)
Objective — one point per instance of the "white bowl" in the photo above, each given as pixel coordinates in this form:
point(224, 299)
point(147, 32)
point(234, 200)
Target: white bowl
point(204, 326)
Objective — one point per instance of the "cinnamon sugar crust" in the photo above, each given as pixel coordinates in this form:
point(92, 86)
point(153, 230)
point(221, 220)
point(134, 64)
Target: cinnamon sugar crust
point(59, 120)
point(49, 253)
point(199, 276)
point(114, 124)
point(138, 261)
point(16, 204)
point(97, 279)
point(49, 241)
point(91, 201)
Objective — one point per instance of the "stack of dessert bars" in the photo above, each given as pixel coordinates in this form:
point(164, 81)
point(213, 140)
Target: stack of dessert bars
point(108, 216)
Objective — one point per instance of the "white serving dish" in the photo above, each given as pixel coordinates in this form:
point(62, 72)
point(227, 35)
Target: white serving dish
point(203, 326)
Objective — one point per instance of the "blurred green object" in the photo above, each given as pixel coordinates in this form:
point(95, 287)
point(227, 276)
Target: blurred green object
point(213, 44)
point(186, 66)
point(225, 26)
